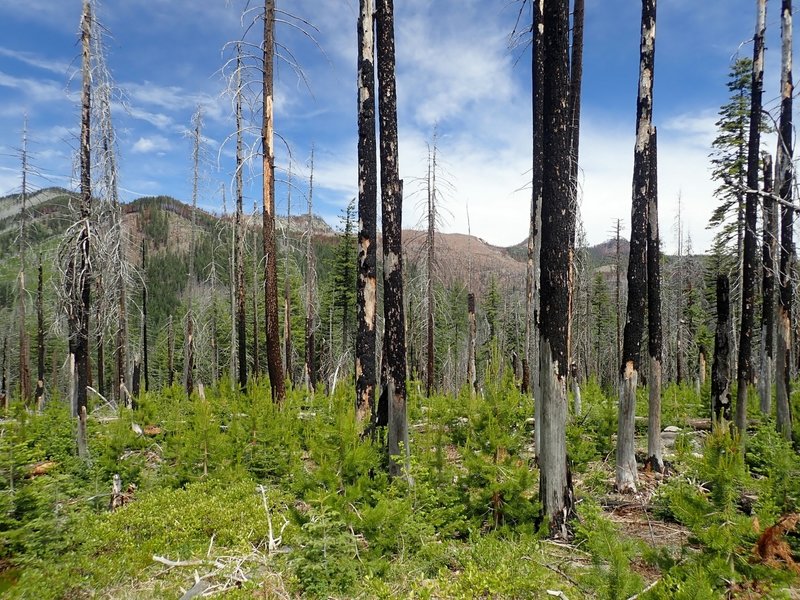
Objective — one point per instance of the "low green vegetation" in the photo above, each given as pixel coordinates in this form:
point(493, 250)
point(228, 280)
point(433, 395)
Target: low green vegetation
point(254, 500)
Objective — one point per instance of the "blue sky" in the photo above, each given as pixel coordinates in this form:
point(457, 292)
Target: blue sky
point(455, 68)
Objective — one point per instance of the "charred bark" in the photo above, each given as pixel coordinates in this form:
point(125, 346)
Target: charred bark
point(769, 250)
point(787, 257)
point(40, 338)
point(720, 369)
point(654, 334)
point(392, 213)
point(274, 362)
point(79, 330)
point(745, 365)
point(472, 334)
point(555, 485)
point(366, 291)
point(145, 349)
point(626, 472)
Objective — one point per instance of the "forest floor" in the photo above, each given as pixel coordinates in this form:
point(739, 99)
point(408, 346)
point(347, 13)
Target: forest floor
point(228, 495)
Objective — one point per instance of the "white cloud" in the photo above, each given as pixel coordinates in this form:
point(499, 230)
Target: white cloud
point(153, 144)
point(34, 60)
point(35, 90)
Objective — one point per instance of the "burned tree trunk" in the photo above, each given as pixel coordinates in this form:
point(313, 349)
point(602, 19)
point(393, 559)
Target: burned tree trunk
point(188, 340)
point(787, 258)
point(40, 338)
point(530, 362)
point(256, 340)
point(170, 353)
point(431, 257)
point(555, 482)
point(4, 374)
point(310, 364)
point(769, 250)
point(654, 337)
point(145, 350)
point(745, 366)
point(80, 277)
point(287, 296)
point(238, 228)
point(720, 369)
point(274, 363)
point(392, 215)
point(626, 473)
point(472, 334)
point(366, 291)
point(24, 348)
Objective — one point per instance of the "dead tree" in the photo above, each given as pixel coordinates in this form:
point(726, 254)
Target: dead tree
point(256, 337)
point(4, 374)
point(366, 291)
point(720, 369)
point(654, 337)
point(626, 473)
point(769, 251)
point(188, 341)
point(238, 228)
point(430, 261)
point(530, 362)
point(555, 482)
point(744, 370)
point(309, 368)
point(145, 356)
point(274, 363)
point(287, 290)
point(576, 77)
point(24, 350)
point(170, 353)
point(472, 334)
point(618, 286)
point(79, 267)
point(787, 258)
point(392, 220)
point(40, 338)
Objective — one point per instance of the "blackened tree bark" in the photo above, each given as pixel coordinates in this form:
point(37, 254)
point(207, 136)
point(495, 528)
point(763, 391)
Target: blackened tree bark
point(287, 296)
point(274, 362)
point(576, 77)
point(784, 185)
point(472, 334)
point(40, 338)
point(749, 272)
point(555, 484)
point(366, 291)
point(720, 369)
point(626, 473)
point(4, 374)
point(392, 215)
point(238, 228)
point(170, 353)
point(769, 252)
point(145, 349)
point(654, 450)
point(532, 297)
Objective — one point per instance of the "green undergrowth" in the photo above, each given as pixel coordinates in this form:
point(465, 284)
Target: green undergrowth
point(211, 480)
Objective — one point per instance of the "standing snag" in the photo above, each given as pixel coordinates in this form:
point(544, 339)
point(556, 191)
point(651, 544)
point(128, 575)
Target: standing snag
point(720, 369)
point(274, 362)
point(626, 473)
point(654, 337)
point(555, 483)
point(744, 375)
point(784, 187)
point(394, 341)
point(366, 291)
